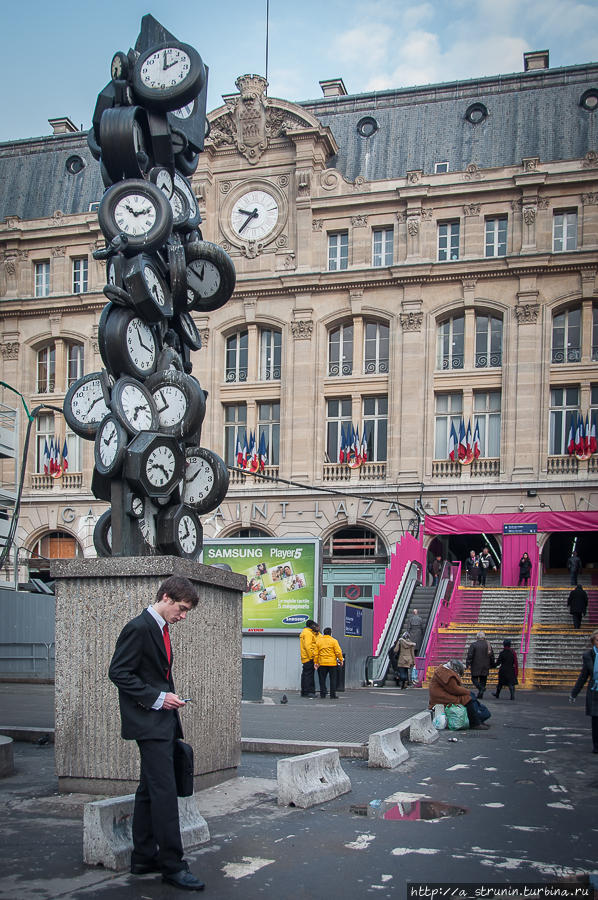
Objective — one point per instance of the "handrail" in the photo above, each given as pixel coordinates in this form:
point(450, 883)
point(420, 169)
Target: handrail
point(376, 666)
point(528, 623)
point(443, 601)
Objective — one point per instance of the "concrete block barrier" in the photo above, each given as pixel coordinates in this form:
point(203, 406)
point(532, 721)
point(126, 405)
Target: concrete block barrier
point(311, 779)
point(385, 748)
point(107, 839)
point(421, 730)
point(7, 762)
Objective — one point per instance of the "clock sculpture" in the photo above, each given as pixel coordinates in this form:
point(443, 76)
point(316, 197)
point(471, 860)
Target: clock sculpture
point(144, 410)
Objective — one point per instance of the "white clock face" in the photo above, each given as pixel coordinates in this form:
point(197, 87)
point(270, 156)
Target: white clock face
point(135, 214)
point(141, 344)
point(165, 68)
point(155, 285)
point(171, 403)
point(203, 279)
point(199, 479)
point(254, 215)
point(164, 182)
point(187, 534)
point(147, 524)
point(137, 506)
point(179, 207)
point(87, 404)
point(108, 443)
point(184, 111)
point(181, 184)
point(160, 466)
point(136, 408)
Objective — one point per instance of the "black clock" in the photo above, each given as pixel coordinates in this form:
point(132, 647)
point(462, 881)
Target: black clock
point(101, 486)
point(211, 276)
point(180, 402)
point(102, 534)
point(148, 290)
point(114, 270)
point(134, 505)
point(180, 532)
point(139, 210)
point(161, 177)
point(86, 404)
point(181, 210)
point(133, 406)
point(119, 67)
point(187, 330)
point(168, 75)
point(169, 358)
point(177, 272)
point(117, 295)
point(206, 479)
point(124, 140)
point(127, 343)
point(154, 464)
point(110, 446)
point(185, 188)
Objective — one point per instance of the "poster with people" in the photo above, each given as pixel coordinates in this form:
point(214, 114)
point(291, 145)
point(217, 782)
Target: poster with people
point(283, 578)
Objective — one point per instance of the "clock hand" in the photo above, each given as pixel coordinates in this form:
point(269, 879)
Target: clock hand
point(165, 406)
point(246, 212)
point(97, 400)
point(200, 275)
point(110, 439)
point(253, 215)
point(137, 410)
point(140, 340)
point(160, 466)
point(194, 476)
point(186, 530)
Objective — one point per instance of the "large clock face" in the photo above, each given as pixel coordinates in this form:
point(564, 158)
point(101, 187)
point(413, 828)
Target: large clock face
point(141, 344)
point(187, 534)
point(108, 442)
point(135, 214)
point(199, 479)
point(171, 403)
point(87, 402)
point(160, 466)
point(136, 408)
point(254, 215)
point(165, 68)
point(203, 279)
point(155, 285)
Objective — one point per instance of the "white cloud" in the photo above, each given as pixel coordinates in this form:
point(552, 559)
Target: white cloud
point(368, 44)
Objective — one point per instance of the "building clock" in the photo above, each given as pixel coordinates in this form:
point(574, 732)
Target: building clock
point(254, 215)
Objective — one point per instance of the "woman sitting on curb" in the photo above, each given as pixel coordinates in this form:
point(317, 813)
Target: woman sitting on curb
point(446, 687)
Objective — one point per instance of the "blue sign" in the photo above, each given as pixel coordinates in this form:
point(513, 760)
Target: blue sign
point(353, 621)
point(520, 528)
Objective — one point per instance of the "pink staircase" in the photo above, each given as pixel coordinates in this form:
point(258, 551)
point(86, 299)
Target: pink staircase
point(464, 607)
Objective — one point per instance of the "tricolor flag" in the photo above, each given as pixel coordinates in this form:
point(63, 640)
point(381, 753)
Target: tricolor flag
point(239, 451)
point(341, 449)
point(586, 438)
point(364, 445)
point(579, 437)
point(593, 445)
point(52, 466)
point(357, 443)
point(452, 443)
point(469, 442)
point(477, 444)
point(244, 452)
point(46, 462)
point(65, 455)
point(253, 462)
point(263, 452)
point(462, 452)
point(571, 441)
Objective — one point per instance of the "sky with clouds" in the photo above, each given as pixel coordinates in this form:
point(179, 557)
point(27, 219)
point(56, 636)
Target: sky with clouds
point(57, 54)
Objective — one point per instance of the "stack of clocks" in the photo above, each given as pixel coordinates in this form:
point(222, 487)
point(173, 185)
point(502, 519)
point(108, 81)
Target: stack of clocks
point(145, 409)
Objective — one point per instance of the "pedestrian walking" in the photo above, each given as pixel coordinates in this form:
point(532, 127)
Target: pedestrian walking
point(575, 565)
point(589, 673)
point(525, 570)
point(414, 624)
point(328, 656)
point(446, 687)
point(436, 569)
point(472, 567)
point(405, 650)
point(141, 668)
point(485, 564)
point(307, 647)
point(508, 669)
point(480, 659)
point(577, 601)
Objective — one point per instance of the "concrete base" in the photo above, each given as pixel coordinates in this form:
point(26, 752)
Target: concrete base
point(385, 748)
point(7, 762)
point(421, 730)
point(269, 745)
point(107, 824)
point(310, 779)
point(104, 786)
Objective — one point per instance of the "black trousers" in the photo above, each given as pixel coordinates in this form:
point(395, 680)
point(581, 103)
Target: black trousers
point(479, 681)
point(595, 732)
point(156, 830)
point(472, 714)
point(308, 680)
point(576, 616)
point(323, 671)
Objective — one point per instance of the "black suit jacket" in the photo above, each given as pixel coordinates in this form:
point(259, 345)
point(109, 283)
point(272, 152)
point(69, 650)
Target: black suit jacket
point(139, 669)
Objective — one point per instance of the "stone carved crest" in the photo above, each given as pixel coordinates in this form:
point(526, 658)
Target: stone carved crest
point(10, 350)
point(302, 329)
point(530, 164)
point(427, 215)
point(589, 199)
point(413, 225)
point(527, 313)
point(12, 221)
point(529, 215)
point(414, 177)
point(57, 218)
point(472, 173)
point(543, 202)
point(57, 252)
point(204, 334)
point(10, 265)
point(472, 209)
point(252, 249)
point(590, 160)
point(411, 321)
point(317, 224)
point(359, 221)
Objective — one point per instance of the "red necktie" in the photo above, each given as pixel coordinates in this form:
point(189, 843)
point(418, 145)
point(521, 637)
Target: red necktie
point(166, 636)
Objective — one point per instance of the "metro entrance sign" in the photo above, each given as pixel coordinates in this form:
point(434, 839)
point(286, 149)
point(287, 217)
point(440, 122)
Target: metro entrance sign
point(520, 528)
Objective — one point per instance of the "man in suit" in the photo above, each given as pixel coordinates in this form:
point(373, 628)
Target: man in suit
point(141, 668)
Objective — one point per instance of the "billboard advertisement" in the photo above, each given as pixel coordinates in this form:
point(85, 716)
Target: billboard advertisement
point(283, 579)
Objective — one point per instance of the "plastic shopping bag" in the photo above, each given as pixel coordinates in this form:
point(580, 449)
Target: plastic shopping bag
point(456, 716)
point(414, 674)
point(439, 721)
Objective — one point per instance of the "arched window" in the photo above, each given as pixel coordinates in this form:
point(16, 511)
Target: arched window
point(236, 356)
point(354, 544)
point(248, 533)
point(270, 354)
point(53, 545)
point(488, 341)
point(566, 336)
point(340, 350)
point(375, 352)
point(46, 370)
point(450, 343)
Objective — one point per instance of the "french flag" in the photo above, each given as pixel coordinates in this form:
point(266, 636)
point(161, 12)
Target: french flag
point(254, 462)
point(46, 462)
point(239, 452)
point(579, 437)
point(364, 445)
point(65, 457)
point(452, 443)
point(357, 443)
point(477, 444)
point(263, 453)
point(462, 452)
point(469, 443)
point(586, 438)
point(593, 445)
point(571, 441)
point(341, 450)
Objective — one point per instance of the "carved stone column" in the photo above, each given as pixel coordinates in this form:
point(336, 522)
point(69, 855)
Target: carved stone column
point(589, 221)
point(524, 384)
point(473, 239)
point(410, 404)
point(303, 403)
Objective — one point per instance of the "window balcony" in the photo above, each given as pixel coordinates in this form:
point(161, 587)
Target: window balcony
point(484, 361)
point(372, 471)
point(562, 465)
point(70, 480)
point(570, 355)
point(485, 467)
point(239, 479)
point(336, 472)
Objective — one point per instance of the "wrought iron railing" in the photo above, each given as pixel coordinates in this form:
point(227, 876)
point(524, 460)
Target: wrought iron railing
point(485, 360)
point(570, 355)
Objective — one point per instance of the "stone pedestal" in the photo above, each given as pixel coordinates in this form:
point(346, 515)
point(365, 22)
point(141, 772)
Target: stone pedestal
point(94, 600)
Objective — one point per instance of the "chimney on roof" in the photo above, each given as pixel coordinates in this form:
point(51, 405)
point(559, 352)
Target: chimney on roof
point(535, 59)
point(63, 125)
point(334, 87)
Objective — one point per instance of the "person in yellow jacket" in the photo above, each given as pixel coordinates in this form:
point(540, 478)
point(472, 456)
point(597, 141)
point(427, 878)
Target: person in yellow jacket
point(307, 645)
point(328, 654)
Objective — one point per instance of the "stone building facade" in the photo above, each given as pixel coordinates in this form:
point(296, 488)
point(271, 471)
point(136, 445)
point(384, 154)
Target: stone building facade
point(431, 256)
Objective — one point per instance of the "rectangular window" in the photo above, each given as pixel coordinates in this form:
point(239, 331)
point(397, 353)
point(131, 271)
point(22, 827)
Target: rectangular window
point(44, 432)
point(338, 414)
point(382, 242)
point(375, 356)
point(270, 352)
point(564, 231)
point(338, 251)
point(80, 270)
point(488, 341)
point(75, 363)
point(441, 167)
point(340, 351)
point(564, 407)
point(450, 344)
point(566, 336)
point(235, 428)
point(268, 424)
point(375, 425)
point(449, 409)
point(496, 236)
point(486, 407)
point(448, 240)
point(594, 407)
point(236, 356)
point(595, 334)
point(46, 370)
point(42, 279)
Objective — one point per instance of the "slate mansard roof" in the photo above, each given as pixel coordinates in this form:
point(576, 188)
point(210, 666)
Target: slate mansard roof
point(530, 114)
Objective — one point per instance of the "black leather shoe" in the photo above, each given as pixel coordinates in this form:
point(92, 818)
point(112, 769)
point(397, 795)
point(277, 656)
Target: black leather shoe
point(147, 868)
point(184, 880)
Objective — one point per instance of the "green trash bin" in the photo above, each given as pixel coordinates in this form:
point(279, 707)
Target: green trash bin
point(252, 676)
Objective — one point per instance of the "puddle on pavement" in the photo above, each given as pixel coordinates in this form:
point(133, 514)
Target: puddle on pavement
point(408, 811)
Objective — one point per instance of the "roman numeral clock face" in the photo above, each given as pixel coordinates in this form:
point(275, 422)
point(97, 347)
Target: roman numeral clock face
point(254, 215)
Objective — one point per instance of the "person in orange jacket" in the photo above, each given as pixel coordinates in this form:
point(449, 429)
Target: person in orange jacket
point(328, 654)
point(307, 646)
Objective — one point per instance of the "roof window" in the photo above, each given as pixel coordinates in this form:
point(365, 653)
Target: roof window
point(589, 99)
point(367, 126)
point(476, 113)
point(74, 164)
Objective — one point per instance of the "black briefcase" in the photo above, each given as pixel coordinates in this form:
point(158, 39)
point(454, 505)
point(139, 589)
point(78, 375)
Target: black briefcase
point(183, 768)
